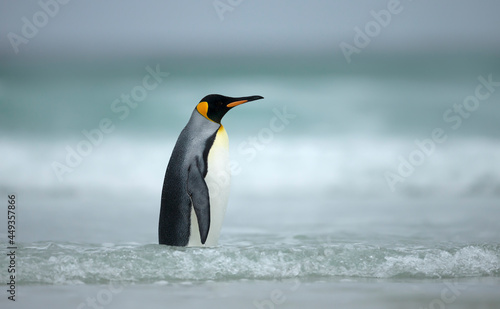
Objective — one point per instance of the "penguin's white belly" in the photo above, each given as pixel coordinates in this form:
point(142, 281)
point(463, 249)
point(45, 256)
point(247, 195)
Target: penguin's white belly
point(218, 180)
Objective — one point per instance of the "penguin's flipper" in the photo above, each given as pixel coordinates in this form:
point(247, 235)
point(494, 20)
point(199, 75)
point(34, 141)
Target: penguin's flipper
point(198, 192)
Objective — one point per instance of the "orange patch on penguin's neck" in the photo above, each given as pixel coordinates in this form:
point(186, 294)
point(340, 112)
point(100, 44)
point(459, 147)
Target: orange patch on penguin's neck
point(202, 108)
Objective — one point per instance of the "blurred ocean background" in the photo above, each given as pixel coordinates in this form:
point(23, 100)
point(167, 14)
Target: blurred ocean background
point(313, 217)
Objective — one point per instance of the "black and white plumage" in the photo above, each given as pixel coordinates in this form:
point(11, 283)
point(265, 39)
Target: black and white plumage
point(196, 185)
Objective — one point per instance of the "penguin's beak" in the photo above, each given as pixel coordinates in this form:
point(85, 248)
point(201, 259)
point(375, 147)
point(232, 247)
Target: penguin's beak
point(239, 101)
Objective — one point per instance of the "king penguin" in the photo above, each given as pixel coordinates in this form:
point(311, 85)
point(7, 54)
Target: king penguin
point(196, 185)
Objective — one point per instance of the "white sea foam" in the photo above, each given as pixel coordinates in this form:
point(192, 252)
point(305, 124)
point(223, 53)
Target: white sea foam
point(77, 263)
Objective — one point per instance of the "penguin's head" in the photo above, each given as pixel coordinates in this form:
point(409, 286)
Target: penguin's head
point(215, 106)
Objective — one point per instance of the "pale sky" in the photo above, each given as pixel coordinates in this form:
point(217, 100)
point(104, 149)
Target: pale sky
point(129, 27)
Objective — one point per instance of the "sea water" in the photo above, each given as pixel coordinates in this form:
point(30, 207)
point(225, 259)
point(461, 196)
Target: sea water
point(317, 215)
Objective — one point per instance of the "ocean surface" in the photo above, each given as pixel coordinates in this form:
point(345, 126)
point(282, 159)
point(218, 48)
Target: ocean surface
point(374, 184)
